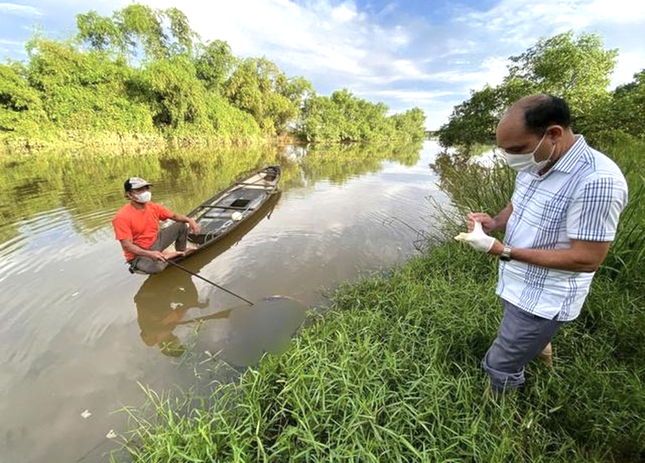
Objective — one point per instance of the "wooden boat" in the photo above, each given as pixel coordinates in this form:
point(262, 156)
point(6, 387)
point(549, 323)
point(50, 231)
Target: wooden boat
point(230, 208)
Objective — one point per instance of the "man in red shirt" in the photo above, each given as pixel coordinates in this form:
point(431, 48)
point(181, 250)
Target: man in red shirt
point(136, 226)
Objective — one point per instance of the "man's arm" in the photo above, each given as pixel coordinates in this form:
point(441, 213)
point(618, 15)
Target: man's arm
point(194, 226)
point(591, 223)
point(501, 219)
point(582, 256)
point(129, 246)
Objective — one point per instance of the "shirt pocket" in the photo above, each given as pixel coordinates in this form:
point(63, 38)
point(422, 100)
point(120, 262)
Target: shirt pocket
point(551, 215)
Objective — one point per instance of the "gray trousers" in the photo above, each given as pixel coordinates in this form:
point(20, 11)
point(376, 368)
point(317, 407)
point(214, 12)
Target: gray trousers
point(521, 337)
point(177, 232)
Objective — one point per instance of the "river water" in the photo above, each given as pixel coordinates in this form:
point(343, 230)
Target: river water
point(80, 336)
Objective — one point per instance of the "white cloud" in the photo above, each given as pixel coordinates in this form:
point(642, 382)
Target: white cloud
point(19, 10)
point(628, 65)
point(316, 39)
point(409, 96)
point(409, 69)
point(621, 12)
point(343, 13)
point(11, 42)
point(490, 71)
point(619, 22)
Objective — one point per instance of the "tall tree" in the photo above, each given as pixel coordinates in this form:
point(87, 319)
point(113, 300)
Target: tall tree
point(136, 29)
point(214, 63)
point(474, 120)
point(627, 109)
point(575, 68)
point(172, 87)
point(258, 87)
point(100, 32)
point(342, 117)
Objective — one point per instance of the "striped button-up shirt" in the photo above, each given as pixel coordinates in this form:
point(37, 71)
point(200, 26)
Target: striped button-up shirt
point(579, 198)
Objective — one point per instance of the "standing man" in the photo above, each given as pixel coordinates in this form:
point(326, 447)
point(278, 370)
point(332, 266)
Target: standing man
point(559, 224)
point(136, 226)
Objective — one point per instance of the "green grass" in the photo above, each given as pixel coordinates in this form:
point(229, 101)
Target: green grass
point(392, 373)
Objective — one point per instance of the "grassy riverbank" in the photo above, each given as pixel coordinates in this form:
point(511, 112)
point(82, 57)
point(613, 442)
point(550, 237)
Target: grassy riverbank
point(392, 371)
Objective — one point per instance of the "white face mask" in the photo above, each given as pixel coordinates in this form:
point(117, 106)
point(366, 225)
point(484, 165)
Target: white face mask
point(526, 162)
point(142, 198)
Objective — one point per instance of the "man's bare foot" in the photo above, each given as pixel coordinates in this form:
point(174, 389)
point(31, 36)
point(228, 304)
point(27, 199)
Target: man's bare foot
point(189, 251)
point(172, 254)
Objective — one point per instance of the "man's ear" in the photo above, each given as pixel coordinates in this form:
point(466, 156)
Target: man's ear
point(555, 132)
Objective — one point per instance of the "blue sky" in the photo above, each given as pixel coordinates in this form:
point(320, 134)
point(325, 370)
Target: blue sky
point(405, 53)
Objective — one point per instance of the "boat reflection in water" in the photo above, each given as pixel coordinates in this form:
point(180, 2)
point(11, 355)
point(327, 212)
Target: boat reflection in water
point(164, 299)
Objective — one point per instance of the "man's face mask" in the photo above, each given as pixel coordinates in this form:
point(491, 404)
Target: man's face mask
point(526, 162)
point(143, 197)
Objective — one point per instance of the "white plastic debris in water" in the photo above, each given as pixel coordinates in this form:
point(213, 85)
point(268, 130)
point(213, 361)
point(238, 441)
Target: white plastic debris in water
point(175, 305)
point(182, 289)
point(86, 414)
point(111, 434)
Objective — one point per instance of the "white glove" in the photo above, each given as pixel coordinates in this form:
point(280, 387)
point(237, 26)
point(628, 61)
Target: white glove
point(477, 238)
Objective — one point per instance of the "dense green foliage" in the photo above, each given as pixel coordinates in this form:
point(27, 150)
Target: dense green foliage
point(343, 117)
point(20, 105)
point(626, 111)
point(84, 91)
point(144, 71)
point(393, 372)
point(575, 68)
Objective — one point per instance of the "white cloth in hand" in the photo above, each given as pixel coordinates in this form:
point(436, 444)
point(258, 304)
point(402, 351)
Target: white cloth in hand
point(477, 238)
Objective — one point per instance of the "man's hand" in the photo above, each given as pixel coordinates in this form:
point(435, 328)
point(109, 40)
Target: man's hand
point(156, 255)
point(488, 223)
point(194, 227)
point(477, 239)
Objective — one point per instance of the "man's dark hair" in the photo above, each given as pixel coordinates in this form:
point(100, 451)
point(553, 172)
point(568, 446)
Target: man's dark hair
point(545, 110)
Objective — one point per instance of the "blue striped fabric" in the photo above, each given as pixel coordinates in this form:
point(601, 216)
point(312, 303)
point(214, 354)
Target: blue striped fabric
point(580, 198)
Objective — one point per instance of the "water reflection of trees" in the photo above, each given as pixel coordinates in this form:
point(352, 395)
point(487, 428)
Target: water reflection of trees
point(90, 186)
point(341, 162)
